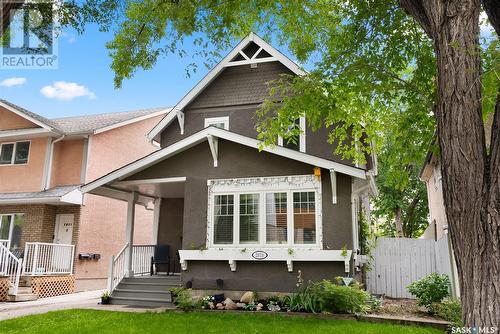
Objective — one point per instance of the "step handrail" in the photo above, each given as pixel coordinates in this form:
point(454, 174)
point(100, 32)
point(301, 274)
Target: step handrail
point(10, 266)
point(117, 268)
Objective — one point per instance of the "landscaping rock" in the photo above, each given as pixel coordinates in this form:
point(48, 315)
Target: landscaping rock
point(259, 307)
point(247, 297)
point(211, 305)
point(219, 306)
point(241, 305)
point(230, 305)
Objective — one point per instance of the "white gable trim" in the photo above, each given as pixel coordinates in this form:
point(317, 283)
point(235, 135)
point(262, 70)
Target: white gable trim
point(23, 115)
point(198, 88)
point(184, 144)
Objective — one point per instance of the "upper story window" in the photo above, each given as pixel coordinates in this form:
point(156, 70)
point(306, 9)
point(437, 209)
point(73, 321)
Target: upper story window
point(298, 143)
point(14, 153)
point(265, 212)
point(218, 122)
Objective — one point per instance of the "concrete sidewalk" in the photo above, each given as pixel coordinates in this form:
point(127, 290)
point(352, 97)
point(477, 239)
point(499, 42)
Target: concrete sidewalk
point(87, 299)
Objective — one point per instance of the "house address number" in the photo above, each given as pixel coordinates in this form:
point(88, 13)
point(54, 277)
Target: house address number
point(259, 255)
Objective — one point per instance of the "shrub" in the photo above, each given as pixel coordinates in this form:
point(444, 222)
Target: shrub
point(184, 300)
point(340, 298)
point(449, 310)
point(430, 289)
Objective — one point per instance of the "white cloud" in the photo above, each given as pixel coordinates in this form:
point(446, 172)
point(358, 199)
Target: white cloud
point(12, 82)
point(66, 91)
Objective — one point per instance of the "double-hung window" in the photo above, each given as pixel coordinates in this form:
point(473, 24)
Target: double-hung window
point(218, 122)
point(14, 153)
point(11, 229)
point(265, 212)
point(297, 142)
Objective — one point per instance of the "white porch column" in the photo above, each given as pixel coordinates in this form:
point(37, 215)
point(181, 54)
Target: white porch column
point(156, 220)
point(129, 237)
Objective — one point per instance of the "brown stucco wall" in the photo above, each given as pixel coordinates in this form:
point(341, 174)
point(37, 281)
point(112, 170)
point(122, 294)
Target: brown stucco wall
point(170, 228)
point(239, 161)
point(67, 162)
point(28, 177)
point(11, 121)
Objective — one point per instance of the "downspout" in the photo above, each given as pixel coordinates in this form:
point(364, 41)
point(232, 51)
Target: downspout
point(48, 176)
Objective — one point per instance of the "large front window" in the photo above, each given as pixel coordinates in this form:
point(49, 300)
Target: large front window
point(262, 212)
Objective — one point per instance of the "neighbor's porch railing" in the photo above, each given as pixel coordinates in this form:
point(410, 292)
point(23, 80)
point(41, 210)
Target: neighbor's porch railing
point(48, 259)
point(141, 258)
point(11, 267)
point(5, 243)
point(141, 263)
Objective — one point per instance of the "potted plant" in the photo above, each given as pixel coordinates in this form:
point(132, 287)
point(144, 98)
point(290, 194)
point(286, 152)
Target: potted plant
point(105, 297)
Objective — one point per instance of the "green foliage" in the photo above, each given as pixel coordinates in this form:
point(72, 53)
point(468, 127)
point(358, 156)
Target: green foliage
point(449, 310)
point(430, 289)
point(325, 296)
point(250, 306)
point(339, 298)
point(185, 301)
point(373, 303)
point(106, 295)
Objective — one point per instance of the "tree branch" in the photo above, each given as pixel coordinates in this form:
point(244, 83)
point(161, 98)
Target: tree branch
point(416, 9)
point(492, 9)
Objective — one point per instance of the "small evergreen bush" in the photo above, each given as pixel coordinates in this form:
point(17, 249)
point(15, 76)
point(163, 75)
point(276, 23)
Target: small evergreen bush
point(450, 310)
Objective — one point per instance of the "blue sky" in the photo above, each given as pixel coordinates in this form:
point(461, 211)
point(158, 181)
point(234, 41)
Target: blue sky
point(84, 60)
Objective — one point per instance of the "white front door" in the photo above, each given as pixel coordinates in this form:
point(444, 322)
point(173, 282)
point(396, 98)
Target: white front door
point(63, 232)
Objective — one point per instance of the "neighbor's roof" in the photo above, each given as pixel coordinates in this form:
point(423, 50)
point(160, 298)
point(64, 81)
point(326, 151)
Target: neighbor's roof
point(93, 123)
point(85, 124)
point(67, 194)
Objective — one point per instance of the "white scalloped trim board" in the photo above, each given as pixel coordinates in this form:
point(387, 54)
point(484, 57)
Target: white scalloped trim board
point(248, 254)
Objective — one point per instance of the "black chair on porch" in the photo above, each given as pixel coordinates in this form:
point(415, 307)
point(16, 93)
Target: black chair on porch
point(161, 257)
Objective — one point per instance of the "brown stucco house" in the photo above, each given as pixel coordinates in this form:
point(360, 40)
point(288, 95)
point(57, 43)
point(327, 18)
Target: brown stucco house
point(235, 217)
point(50, 233)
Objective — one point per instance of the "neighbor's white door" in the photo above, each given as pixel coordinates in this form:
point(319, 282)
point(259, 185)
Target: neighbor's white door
point(63, 232)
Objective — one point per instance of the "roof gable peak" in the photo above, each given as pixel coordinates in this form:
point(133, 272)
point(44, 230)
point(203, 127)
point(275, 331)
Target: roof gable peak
point(250, 50)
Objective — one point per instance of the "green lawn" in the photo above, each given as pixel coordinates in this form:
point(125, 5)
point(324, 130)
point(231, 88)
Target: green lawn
point(92, 321)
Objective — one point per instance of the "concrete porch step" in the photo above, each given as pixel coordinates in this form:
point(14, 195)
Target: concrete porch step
point(139, 301)
point(22, 297)
point(146, 286)
point(148, 294)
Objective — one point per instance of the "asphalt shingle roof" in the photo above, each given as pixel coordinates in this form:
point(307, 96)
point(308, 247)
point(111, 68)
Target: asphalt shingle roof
point(87, 123)
point(49, 193)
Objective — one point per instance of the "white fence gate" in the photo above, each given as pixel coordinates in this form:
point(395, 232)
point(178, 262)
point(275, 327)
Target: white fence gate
point(397, 262)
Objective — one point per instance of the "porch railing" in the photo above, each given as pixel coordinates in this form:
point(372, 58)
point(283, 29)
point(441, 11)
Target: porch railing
point(5, 243)
point(141, 258)
point(117, 268)
point(141, 263)
point(48, 259)
point(11, 267)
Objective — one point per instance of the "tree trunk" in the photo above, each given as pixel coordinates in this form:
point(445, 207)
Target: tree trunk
point(410, 216)
point(399, 222)
point(470, 178)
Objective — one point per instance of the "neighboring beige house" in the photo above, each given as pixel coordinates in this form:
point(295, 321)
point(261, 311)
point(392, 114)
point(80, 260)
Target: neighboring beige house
point(438, 225)
point(44, 218)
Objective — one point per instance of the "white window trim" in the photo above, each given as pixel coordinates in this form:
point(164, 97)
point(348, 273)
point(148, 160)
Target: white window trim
point(262, 186)
point(302, 136)
point(215, 120)
point(14, 153)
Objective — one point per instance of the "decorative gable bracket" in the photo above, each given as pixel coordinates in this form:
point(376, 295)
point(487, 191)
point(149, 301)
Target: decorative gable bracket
point(213, 142)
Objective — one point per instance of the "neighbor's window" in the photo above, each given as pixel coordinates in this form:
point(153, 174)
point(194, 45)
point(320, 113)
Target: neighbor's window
point(249, 218)
point(276, 218)
point(223, 219)
point(218, 122)
point(11, 228)
point(14, 153)
point(304, 217)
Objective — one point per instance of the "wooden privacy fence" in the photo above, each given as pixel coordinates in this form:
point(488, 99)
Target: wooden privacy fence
point(397, 262)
